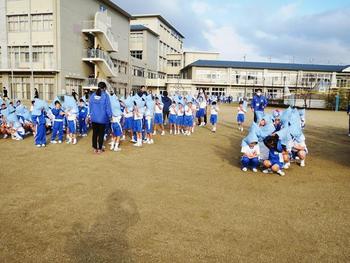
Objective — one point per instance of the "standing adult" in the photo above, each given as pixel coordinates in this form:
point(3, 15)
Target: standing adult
point(258, 104)
point(75, 95)
point(36, 93)
point(4, 92)
point(101, 113)
point(166, 105)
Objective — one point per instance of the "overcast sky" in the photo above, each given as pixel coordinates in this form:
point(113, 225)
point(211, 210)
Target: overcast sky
point(303, 31)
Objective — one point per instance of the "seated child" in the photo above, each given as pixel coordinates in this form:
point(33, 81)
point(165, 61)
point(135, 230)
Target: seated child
point(241, 115)
point(250, 158)
point(299, 149)
point(214, 110)
point(275, 161)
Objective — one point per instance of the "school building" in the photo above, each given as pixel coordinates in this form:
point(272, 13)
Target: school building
point(56, 46)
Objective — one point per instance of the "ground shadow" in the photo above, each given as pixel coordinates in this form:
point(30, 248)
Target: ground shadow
point(105, 240)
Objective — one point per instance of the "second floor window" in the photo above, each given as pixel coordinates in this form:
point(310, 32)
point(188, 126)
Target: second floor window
point(42, 22)
point(18, 23)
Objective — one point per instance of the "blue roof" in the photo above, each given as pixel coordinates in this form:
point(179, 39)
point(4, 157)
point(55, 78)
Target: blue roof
point(142, 28)
point(264, 65)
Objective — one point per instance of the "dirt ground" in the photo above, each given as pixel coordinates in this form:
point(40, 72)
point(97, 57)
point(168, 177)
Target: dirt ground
point(183, 199)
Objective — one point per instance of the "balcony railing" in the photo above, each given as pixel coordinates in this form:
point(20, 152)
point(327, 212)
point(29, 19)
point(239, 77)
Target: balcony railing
point(102, 24)
point(92, 83)
point(94, 53)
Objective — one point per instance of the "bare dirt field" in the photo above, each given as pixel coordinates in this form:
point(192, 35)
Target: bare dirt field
point(183, 199)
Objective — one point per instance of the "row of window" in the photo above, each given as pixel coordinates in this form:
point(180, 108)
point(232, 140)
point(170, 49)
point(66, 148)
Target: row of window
point(20, 87)
point(20, 23)
point(40, 54)
point(172, 32)
point(136, 54)
point(174, 63)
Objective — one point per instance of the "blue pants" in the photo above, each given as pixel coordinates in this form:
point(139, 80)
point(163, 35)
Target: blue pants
point(40, 136)
point(82, 126)
point(57, 128)
point(252, 163)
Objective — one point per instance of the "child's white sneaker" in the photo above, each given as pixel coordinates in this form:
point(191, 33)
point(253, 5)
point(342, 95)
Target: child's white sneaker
point(59, 142)
point(255, 170)
point(53, 142)
point(151, 141)
point(286, 165)
point(43, 145)
point(163, 133)
point(5, 136)
point(75, 141)
point(38, 145)
point(267, 171)
point(281, 173)
point(84, 135)
point(244, 169)
point(133, 140)
point(302, 163)
point(112, 146)
point(117, 149)
point(154, 133)
point(122, 138)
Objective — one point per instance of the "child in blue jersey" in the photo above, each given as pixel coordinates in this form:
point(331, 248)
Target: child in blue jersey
point(72, 126)
point(82, 118)
point(158, 117)
point(188, 119)
point(277, 120)
point(57, 129)
point(40, 134)
point(241, 111)
point(172, 118)
point(180, 118)
point(214, 111)
point(275, 161)
point(138, 117)
point(117, 132)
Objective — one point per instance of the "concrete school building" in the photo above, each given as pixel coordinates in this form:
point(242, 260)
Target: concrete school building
point(56, 46)
point(241, 79)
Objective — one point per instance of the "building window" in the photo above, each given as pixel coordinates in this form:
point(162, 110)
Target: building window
point(173, 76)
point(74, 84)
point(45, 87)
point(20, 87)
point(18, 23)
point(42, 22)
point(174, 63)
point(138, 72)
point(152, 75)
point(18, 55)
point(44, 55)
point(136, 54)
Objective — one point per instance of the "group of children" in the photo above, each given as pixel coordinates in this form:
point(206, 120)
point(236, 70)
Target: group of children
point(141, 118)
point(274, 141)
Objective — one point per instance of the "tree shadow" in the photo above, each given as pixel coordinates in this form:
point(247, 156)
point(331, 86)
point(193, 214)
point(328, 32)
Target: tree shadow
point(105, 240)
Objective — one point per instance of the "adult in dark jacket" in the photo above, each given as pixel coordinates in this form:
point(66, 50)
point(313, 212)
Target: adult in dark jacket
point(166, 105)
point(100, 113)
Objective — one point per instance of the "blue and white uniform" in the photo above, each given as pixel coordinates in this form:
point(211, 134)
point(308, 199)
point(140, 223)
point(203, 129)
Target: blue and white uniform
point(172, 115)
point(116, 126)
point(214, 114)
point(83, 112)
point(158, 114)
point(180, 116)
point(138, 116)
point(40, 123)
point(57, 124)
point(148, 122)
point(188, 118)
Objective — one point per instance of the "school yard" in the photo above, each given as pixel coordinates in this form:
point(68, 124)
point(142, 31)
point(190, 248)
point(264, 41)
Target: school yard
point(183, 199)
